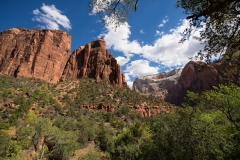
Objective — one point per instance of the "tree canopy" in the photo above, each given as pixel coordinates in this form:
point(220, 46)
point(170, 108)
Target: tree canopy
point(219, 20)
point(117, 11)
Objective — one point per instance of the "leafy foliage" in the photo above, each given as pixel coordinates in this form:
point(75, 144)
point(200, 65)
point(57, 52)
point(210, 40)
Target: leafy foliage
point(116, 11)
point(220, 22)
point(50, 119)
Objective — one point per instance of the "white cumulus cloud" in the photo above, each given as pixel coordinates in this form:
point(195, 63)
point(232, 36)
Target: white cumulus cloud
point(168, 51)
point(140, 68)
point(165, 20)
point(118, 39)
point(141, 31)
point(165, 50)
point(122, 60)
point(51, 17)
point(158, 33)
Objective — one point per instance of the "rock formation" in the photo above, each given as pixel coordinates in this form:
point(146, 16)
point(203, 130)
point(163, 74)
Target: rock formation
point(94, 61)
point(45, 55)
point(40, 54)
point(196, 77)
point(143, 109)
point(173, 86)
point(158, 85)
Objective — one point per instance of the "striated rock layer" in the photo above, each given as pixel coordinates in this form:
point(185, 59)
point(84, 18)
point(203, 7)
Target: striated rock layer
point(173, 86)
point(94, 61)
point(45, 55)
point(158, 85)
point(39, 54)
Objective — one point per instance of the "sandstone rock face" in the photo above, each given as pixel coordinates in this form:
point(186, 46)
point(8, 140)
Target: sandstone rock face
point(196, 77)
point(40, 54)
point(158, 85)
point(173, 86)
point(94, 61)
point(45, 55)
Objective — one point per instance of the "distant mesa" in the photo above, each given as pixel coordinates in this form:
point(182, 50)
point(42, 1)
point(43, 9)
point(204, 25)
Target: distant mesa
point(45, 55)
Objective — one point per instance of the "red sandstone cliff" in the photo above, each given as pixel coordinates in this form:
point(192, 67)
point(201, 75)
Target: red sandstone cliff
point(45, 54)
point(94, 61)
point(195, 77)
point(39, 54)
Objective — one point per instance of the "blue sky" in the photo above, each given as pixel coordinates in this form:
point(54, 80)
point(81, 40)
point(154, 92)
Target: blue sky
point(146, 44)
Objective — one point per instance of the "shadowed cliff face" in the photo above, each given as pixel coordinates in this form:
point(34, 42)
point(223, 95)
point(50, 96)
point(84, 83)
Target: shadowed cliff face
point(45, 54)
point(196, 77)
point(34, 54)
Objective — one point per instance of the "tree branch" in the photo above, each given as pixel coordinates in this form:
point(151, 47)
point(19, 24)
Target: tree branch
point(113, 10)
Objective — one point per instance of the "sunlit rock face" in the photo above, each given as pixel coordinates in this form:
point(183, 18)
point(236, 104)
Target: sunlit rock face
point(94, 61)
point(40, 54)
point(157, 85)
point(45, 55)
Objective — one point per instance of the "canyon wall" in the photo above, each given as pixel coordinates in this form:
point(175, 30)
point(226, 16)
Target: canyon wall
point(94, 61)
point(45, 55)
point(173, 86)
point(40, 54)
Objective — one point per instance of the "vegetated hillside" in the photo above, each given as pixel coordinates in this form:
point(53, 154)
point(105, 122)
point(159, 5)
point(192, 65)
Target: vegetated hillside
point(59, 121)
point(36, 114)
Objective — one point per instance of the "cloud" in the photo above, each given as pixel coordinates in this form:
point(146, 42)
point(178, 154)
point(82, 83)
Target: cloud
point(130, 84)
point(118, 39)
point(122, 60)
point(141, 31)
point(140, 68)
point(165, 20)
point(51, 17)
point(168, 51)
point(165, 50)
point(158, 33)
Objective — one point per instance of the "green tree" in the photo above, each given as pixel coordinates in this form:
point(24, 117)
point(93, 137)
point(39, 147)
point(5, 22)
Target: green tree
point(227, 100)
point(60, 144)
point(187, 134)
point(127, 143)
point(224, 101)
point(220, 22)
point(4, 143)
